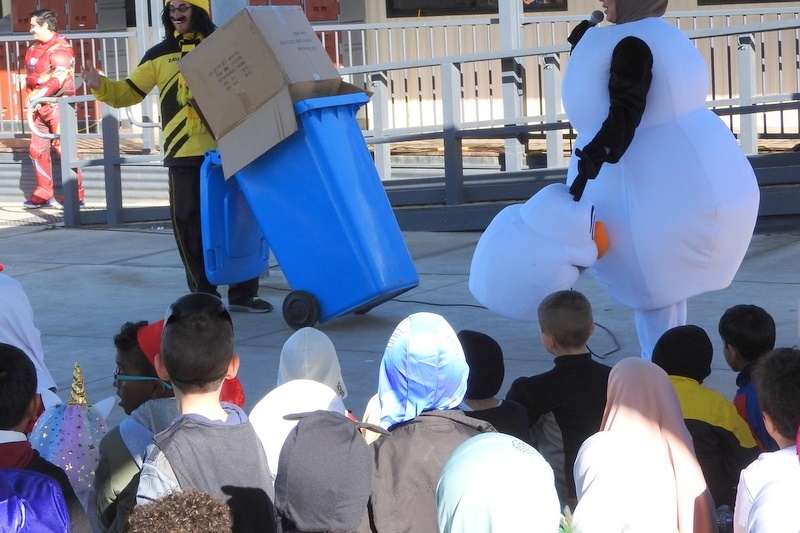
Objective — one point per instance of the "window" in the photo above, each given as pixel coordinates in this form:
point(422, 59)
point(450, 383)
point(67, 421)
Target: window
point(429, 8)
point(741, 3)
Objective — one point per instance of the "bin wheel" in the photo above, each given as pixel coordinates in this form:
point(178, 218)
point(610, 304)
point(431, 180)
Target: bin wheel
point(300, 309)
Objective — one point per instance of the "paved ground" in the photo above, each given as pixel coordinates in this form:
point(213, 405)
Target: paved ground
point(84, 283)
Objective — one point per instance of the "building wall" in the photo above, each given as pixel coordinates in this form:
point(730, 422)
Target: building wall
point(375, 10)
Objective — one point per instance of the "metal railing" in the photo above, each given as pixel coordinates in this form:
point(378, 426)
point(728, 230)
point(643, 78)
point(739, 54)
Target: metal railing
point(451, 81)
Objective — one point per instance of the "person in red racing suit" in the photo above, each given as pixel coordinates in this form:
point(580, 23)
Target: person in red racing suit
point(50, 65)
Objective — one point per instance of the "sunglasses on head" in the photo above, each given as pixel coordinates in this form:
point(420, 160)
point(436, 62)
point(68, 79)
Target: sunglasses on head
point(192, 305)
point(195, 303)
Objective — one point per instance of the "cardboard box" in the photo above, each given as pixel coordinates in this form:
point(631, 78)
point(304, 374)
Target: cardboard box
point(247, 75)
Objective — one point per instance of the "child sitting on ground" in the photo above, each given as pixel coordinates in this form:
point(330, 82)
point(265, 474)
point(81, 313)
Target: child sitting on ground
point(182, 512)
point(722, 440)
point(19, 404)
point(486, 372)
point(151, 404)
point(748, 332)
point(212, 447)
point(777, 380)
point(574, 391)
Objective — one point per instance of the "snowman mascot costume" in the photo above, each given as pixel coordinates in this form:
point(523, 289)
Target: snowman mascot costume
point(676, 195)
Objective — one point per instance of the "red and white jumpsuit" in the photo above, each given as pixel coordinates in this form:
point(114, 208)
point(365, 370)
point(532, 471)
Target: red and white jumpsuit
point(50, 68)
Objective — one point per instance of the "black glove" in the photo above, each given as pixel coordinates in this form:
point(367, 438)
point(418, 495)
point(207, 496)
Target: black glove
point(578, 32)
point(591, 159)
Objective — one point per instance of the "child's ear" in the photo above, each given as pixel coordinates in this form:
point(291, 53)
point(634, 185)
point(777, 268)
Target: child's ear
point(233, 367)
point(548, 341)
point(158, 389)
point(161, 370)
point(32, 412)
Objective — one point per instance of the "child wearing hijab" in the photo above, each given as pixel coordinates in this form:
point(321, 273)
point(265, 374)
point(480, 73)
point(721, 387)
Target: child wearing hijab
point(639, 472)
point(422, 381)
point(496, 483)
point(324, 477)
point(310, 354)
point(18, 329)
point(296, 396)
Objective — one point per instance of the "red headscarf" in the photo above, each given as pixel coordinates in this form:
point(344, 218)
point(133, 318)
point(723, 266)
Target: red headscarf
point(149, 338)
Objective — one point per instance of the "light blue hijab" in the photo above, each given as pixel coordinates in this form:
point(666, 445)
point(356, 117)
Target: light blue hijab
point(495, 483)
point(423, 368)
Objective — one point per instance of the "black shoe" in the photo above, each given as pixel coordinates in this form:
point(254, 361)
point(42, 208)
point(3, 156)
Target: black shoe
point(52, 202)
point(253, 305)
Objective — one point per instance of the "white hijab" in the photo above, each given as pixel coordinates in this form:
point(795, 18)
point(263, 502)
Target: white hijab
point(17, 329)
point(296, 396)
point(310, 354)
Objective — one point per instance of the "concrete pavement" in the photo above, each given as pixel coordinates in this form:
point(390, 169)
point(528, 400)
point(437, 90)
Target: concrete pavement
point(85, 283)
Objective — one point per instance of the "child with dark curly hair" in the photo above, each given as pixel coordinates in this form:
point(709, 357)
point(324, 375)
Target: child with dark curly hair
point(182, 512)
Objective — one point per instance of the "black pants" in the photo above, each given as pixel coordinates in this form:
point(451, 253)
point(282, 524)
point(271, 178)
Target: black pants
point(184, 205)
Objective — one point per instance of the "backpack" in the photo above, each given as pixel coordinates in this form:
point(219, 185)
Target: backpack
point(31, 502)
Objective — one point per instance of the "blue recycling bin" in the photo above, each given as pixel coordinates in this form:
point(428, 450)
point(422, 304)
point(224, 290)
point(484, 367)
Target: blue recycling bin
point(319, 201)
point(234, 247)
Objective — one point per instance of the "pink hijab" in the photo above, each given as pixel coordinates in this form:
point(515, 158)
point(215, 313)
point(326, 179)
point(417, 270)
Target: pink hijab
point(643, 415)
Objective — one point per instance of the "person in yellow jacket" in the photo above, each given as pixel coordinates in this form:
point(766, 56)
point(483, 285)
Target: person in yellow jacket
point(722, 439)
point(185, 138)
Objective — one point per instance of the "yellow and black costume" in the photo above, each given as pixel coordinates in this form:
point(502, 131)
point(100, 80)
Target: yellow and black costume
point(185, 141)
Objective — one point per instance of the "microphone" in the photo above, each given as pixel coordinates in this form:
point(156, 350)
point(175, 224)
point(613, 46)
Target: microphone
point(596, 18)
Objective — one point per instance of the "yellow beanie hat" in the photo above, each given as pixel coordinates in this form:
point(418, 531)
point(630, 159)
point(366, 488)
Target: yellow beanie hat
point(205, 5)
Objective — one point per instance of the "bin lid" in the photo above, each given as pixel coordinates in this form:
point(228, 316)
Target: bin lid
point(358, 99)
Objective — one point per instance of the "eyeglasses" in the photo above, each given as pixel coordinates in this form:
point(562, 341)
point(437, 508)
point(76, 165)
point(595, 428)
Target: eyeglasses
point(123, 377)
point(183, 8)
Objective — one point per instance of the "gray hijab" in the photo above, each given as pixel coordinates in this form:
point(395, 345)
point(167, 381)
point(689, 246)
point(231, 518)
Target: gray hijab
point(633, 10)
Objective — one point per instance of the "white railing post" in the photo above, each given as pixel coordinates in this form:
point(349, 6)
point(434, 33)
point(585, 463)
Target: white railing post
point(111, 167)
point(451, 125)
point(510, 12)
point(68, 137)
point(748, 124)
point(380, 123)
point(552, 107)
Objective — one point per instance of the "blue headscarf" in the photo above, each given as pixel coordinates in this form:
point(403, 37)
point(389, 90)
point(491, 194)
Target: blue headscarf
point(423, 368)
